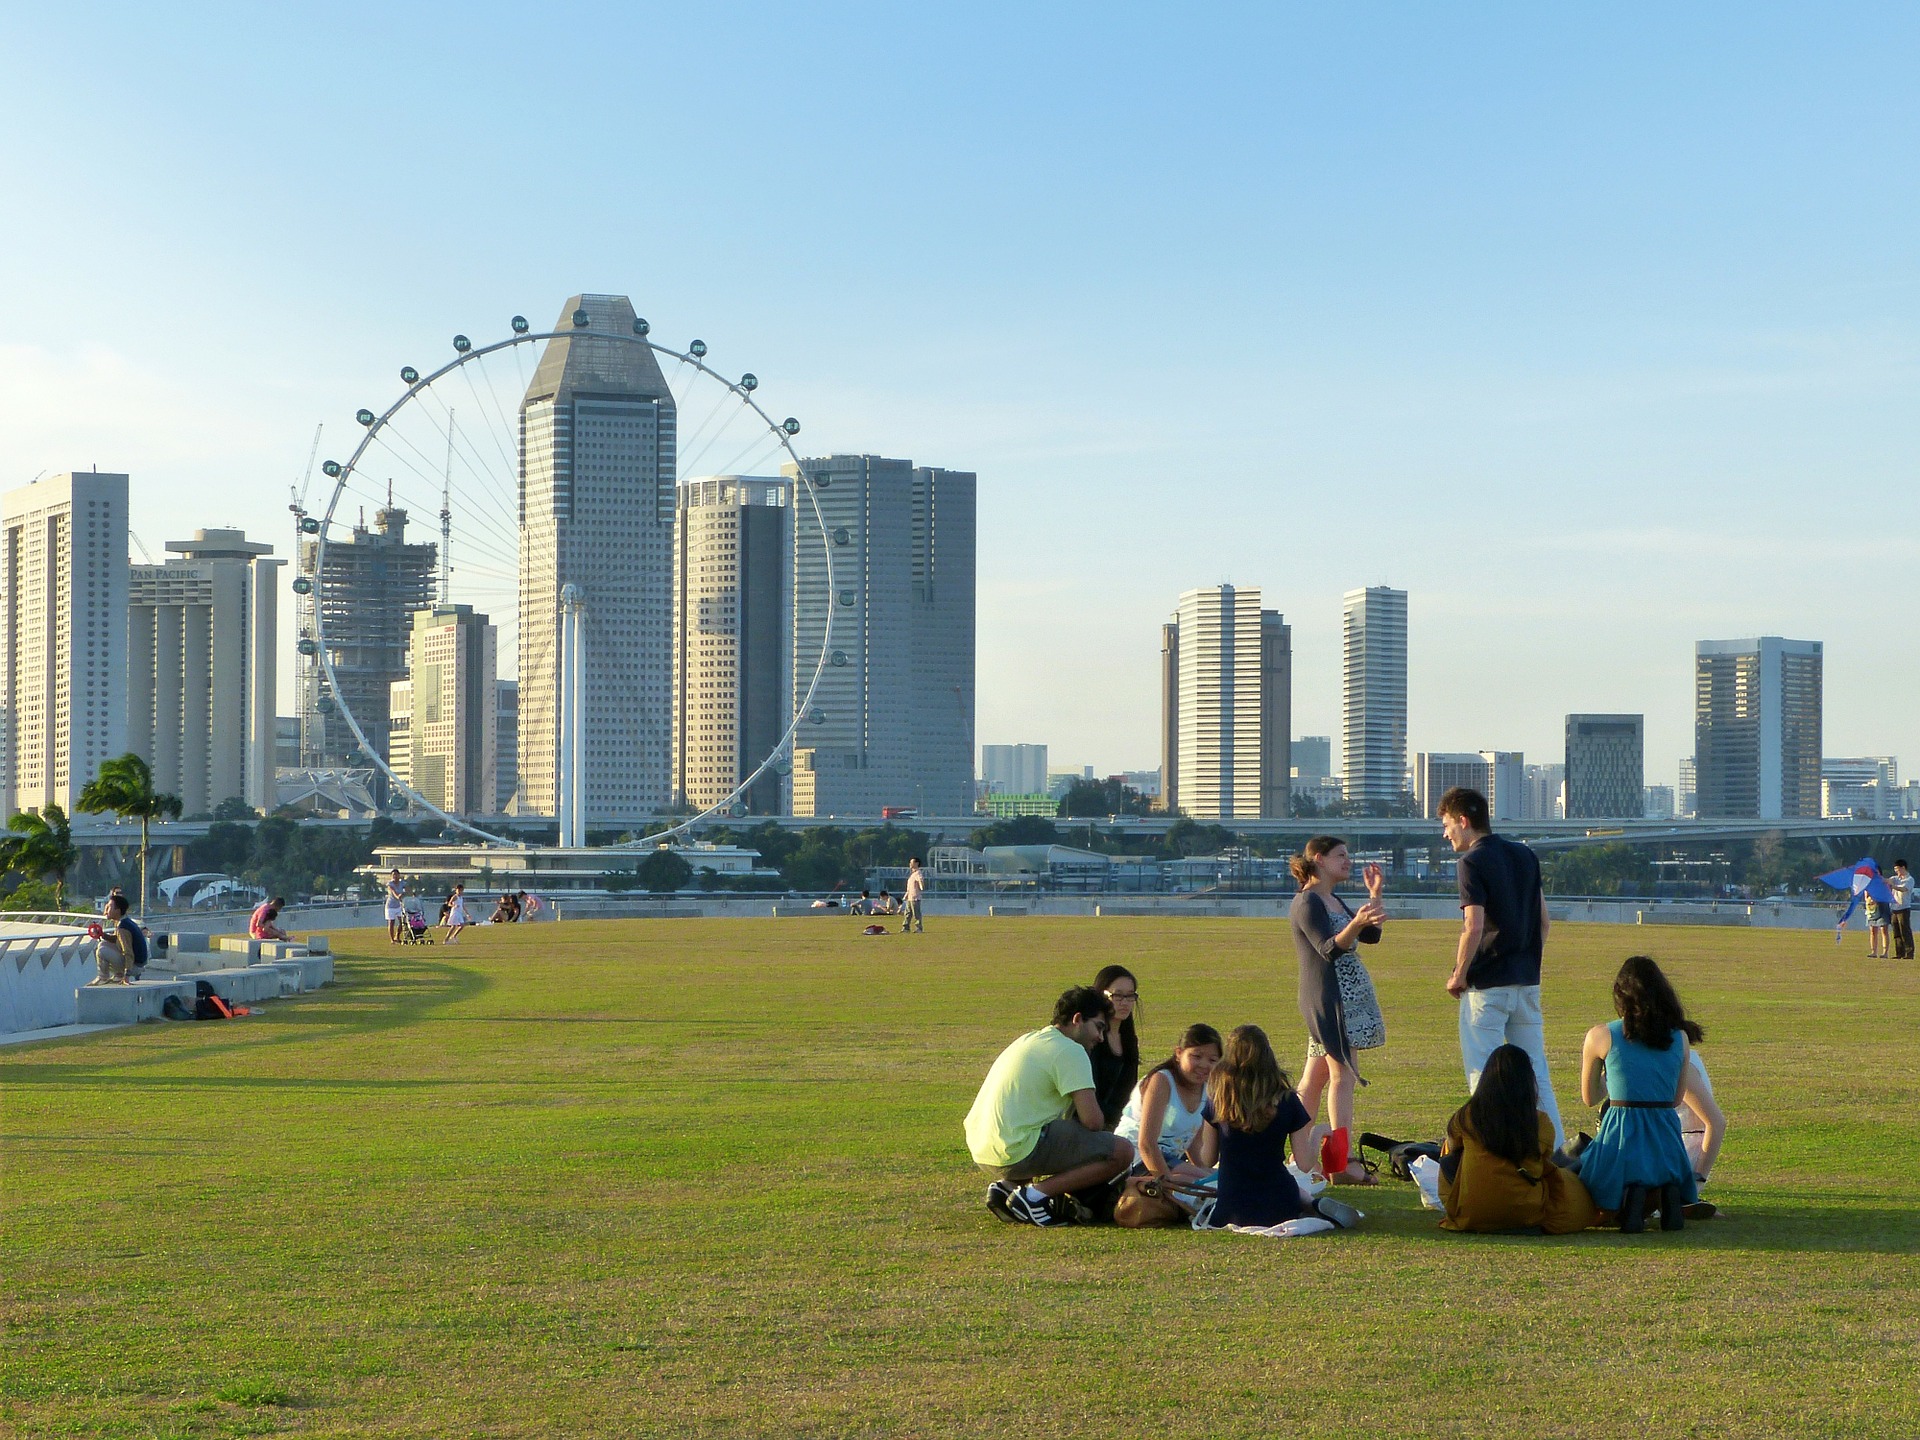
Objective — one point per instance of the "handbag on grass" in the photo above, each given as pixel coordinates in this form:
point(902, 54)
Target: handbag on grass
point(1148, 1201)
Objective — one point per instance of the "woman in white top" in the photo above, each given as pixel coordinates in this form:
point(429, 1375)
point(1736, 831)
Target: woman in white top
point(396, 906)
point(1163, 1116)
point(1703, 1124)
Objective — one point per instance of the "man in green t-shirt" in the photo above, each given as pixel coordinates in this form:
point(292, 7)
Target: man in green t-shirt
point(1036, 1127)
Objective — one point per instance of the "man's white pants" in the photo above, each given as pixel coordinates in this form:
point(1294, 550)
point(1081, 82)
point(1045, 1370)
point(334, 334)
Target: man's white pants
point(1507, 1015)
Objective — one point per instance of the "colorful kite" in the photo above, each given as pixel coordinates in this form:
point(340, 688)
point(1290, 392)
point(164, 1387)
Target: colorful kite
point(1861, 880)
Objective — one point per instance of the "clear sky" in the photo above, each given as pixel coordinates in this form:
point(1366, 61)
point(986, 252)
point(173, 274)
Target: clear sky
point(1595, 328)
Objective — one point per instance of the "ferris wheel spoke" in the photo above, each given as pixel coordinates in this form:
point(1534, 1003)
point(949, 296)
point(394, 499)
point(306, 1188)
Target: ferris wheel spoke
point(759, 449)
point(477, 464)
point(507, 427)
point(479, 515)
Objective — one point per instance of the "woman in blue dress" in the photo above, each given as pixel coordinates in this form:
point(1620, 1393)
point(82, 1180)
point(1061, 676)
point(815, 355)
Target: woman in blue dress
point(1638, 1161)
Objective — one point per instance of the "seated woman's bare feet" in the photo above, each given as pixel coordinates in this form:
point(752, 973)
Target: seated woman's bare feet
point(1354, 1174)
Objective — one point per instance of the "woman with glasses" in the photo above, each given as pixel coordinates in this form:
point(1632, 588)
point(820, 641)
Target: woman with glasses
point(1116, 1059)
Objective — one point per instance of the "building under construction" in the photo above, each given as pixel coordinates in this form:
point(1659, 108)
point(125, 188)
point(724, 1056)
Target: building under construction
point(373, 583)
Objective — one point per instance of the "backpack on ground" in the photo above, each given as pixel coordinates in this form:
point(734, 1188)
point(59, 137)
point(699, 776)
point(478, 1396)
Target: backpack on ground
point(1400, 1153)
point(208, 1005)
point(174, 1008)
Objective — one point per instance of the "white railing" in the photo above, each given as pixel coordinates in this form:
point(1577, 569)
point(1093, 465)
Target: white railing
point(39, 973)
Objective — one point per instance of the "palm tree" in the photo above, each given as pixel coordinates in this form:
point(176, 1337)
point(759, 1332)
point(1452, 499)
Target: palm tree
point(125, 786)
point(40, 847)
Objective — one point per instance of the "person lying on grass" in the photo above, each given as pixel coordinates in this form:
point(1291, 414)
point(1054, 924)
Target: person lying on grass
point(1165, 1114)
point(1495, 1173)
point(1252, 1113)
point(1036, 1127)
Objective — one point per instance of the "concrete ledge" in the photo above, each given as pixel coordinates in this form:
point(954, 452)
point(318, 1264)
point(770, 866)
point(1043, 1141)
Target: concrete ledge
point(1007, 910)
point(243, 987)
point(807, 912)
point(238, 945)
point(314, 970)
point(191, 962)
point(178, 944)
point(291, 980)
point(53, 1032)
point(125, 1004)
point(317, 945)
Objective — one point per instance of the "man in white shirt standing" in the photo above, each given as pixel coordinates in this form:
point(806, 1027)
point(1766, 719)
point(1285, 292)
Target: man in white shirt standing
point(1901, 883)
point(910, 900)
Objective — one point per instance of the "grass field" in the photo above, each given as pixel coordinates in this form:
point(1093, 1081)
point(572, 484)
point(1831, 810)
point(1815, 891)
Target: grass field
point(705, 1178)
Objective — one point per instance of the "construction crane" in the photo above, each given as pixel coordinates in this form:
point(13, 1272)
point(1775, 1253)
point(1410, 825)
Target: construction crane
point(299, 492)
point(446, 521)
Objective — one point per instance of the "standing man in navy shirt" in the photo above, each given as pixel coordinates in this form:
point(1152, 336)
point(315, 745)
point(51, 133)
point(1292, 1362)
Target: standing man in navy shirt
point(1496, 971)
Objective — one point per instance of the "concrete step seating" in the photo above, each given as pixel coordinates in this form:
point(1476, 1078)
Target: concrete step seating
point(241, 971)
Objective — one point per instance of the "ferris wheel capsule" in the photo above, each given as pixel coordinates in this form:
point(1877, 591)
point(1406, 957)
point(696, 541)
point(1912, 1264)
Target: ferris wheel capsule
point(331, 469)
point(307, 647)
point(581, 319)
point(641, 328)
point(462, 344)
point(365, 417)
point(816, 716)
point(302, 585)
point(838, 658)
point(790, 425)
point(698, 349)
point(847, 597)
point(409, 374)
point(749, 381)
point(310, 525)
point(520, 325)
point(822, 480)
point(843, 536)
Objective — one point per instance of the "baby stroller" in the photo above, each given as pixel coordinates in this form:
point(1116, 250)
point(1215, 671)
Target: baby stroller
point(415, 931)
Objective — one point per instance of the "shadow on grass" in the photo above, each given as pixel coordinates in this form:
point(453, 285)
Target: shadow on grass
point(1781, 1226)
point(361, 1001)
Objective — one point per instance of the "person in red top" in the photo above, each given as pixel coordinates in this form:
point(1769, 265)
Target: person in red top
point(265, 922)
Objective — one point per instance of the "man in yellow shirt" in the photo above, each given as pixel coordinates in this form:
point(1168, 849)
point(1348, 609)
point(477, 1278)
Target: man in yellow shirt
point(1036, 1126)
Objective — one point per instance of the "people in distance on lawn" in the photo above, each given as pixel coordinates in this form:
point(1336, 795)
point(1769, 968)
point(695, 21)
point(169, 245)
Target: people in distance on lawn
point(1879, 930)
point(862, 906)
point(1336, 993)
point(1495, 1170)
point(456, 917)
point(1036, 1127)
point(1503, 932)
point(1638, 1065)
point(396, 891)
point(1703, 1124)
point(1116, 1059)
point(1252, 1115)
point(1900, 882)
point(1165, 1114)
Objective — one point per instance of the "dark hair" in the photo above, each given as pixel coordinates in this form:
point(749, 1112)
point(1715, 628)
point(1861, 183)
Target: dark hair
point(1248, 1086)
point(1901, 864)
point(1129, 1037)
point(1504, 1110)
point(279, 900)
point(116, 898)
point(1302, 865)
point(1467, 805)
point(1082, 1000)
point(1649, 1010)
point(1190, 1038)
point(914, 860)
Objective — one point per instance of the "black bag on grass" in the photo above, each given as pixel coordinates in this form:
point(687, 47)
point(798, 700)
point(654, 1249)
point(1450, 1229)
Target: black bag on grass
point(1400, 1153)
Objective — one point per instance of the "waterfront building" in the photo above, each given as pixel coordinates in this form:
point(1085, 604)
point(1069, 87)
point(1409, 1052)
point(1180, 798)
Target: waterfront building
point(1757, 728)
point(63, 610)
point(445, 716)
point(1436, 772)
point(598, 447)
point(1863, 787)
point(1685, 804)
point(1542, 792)
point(506, 768)
point(1506, 784)
point(1606, 769)
point(374, 581)
point(1312, 759)
point(732, 616)
point(891, 723)
point(1014, 769)
point(1656, 802)
point(202, 667)
point(1373, 732)
point(1231, 667)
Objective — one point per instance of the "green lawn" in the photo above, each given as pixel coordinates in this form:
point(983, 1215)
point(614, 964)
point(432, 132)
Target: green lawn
point(705, 1178)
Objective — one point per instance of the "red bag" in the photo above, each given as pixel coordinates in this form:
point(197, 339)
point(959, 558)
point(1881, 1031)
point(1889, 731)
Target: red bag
point(1336, 1150)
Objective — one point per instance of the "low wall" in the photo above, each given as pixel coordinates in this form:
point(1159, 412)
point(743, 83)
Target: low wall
point(38, 975)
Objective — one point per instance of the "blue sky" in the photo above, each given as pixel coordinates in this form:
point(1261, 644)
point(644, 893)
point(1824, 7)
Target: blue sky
point(1595, 329)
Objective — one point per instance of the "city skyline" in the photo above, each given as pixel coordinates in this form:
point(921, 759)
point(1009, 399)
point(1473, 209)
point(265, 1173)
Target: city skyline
point(1637, 377)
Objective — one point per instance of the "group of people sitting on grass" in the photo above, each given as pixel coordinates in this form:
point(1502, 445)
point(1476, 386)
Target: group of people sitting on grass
point(1071, 1132)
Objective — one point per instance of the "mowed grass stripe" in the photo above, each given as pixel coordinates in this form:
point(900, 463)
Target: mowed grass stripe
point(706, 1178)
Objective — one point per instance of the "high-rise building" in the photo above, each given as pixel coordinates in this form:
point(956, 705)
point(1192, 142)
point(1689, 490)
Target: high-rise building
point(598, 446)
point(1231, 667)
point(446, 733)
point(1013, 769)
point(1606, 769)
point(63, 611)
point(732, 617)
point(1757, 728)
point(1435, 773)
point(1686, 793)
point(1506, 784)
point(202, 666)
point(940, 742)
point(1656, 802)
point(891, 723)
point(1312, 758)
point(1373, 731)
point(1543, 792)
point(507, 749)
point(1169, 717)
point(1864, 787)
point(374, 581)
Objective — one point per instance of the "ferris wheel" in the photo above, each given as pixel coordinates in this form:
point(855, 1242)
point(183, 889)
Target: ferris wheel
point(526, 489)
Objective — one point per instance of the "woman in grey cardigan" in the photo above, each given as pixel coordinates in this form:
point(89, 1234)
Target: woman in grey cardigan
point(1336, 993)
